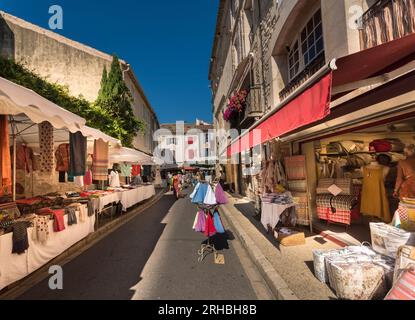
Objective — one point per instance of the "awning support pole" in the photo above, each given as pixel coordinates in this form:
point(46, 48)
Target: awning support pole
point(14, 157)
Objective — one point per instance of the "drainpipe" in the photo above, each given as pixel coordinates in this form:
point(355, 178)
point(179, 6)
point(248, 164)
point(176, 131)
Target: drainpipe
point(124, 71)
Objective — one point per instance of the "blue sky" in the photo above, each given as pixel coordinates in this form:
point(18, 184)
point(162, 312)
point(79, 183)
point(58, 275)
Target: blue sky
point(168, 43)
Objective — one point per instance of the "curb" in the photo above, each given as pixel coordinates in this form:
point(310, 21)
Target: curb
point(20, 287)
point(276, 283)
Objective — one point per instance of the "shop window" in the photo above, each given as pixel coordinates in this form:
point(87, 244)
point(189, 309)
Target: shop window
point(190, 140)
point(191, 154)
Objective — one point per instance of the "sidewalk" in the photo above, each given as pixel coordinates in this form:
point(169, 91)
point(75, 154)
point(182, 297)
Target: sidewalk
point(288, 270)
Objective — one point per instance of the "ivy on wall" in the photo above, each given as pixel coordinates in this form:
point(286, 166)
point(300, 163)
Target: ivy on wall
point(120, 123)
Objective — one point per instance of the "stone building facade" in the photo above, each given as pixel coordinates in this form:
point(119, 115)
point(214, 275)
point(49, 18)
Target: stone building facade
point(271, 47)
point(72, 64)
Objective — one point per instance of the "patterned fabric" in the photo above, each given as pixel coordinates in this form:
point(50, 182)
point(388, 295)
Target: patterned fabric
point(323, 185)
point(71, 212)
point(340, 216)
point(20, 238)
point(297, 185)
point(100, 161)
point(41, 229)
point(62, 158)
point(46, 147)
point(404, 289)
point(24, 158)
point(295, 168)
point(5, 159)
point(88, 178)
point(9, 211)
point(78, 152)
point(136, 170)
point(339, 202)
point(302, 209)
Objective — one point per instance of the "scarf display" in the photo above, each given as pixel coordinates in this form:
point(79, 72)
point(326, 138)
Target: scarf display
point(5, 161)
point(77, 154)
point(46, 147)
point(201, 222)
point(71, 212)
point(62, 158)
point(20, 238)
point(59, 222)
point(200, 195)
point(88, 178)
point(100, 161)
point(41, 229)
point(210, 229)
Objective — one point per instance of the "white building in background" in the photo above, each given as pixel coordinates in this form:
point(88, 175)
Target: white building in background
point(185, 144)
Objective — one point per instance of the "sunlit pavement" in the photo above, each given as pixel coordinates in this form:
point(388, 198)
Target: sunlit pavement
point(154, 256)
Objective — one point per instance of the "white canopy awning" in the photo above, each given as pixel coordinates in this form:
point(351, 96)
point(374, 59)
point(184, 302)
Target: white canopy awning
point(15, 100)
point(95, 134)
point(130, 155)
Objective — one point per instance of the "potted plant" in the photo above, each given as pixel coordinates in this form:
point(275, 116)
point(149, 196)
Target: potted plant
point(236, 107)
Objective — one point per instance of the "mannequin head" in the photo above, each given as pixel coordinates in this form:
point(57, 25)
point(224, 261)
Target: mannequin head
point(410, 150)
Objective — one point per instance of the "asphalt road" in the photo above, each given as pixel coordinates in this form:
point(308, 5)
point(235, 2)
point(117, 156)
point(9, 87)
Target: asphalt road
point(154, 256)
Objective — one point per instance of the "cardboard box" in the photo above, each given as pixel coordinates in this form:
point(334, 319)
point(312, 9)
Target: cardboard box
point(289, 237)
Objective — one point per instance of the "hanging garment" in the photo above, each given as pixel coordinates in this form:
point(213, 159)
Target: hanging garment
point(59, 221)
point(210, 198)
point(41, 229)
point(79, 181)
point(83, 213)
point(20, 238)
point(195, 221)
point(209, 226)
point(146, 171)
point(62, 176)
point(24, 158)
point(71, 212)
point(200, 193)
point(62, 157)
point(46, 147)
point(126, 169)
point(91, 207)
point(220, 195)
point(374, 199)
point(5, 160)
point(218, 223)
point(78, 153)
point(194, 191)
point(100, 161)
point(136, 170)
point(201, 222)
point(114, 179)
point(405, 182)
point(88, 178)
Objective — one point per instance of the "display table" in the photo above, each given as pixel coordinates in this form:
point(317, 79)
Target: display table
point(271, 213)
point(15, 267)
point(130, 198)
point(108, 198)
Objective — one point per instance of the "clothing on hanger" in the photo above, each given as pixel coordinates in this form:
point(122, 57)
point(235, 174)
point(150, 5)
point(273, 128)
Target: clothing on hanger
point(114, 179)
point(220, 195)
point(5, 159)
point(218, 223)
point(200, 195)
point(100, 160)
point(210, 198)
point(46, 145)
point(126, 169)
point(78, 153)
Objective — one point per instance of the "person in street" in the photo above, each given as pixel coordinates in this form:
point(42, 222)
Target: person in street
point(177, 185)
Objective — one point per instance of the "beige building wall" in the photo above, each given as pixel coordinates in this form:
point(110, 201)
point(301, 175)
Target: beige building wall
point(72, 64)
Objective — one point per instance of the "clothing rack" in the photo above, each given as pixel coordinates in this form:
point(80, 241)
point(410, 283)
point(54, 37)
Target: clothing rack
point(208, 247)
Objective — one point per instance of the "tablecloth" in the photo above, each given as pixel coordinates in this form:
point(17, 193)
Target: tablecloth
point(271, 213)
point(15, 267)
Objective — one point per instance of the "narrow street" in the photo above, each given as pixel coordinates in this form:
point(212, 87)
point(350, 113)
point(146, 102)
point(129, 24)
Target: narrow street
point(154, 256)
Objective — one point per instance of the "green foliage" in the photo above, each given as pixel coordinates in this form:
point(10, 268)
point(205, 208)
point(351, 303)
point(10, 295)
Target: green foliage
point(116, 100)
point(99, 115)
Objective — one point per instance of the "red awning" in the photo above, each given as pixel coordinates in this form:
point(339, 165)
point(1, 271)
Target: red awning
point(370, 62)
point(310, 106)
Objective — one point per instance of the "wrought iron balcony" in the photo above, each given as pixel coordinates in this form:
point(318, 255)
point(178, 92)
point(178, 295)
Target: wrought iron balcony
point(253, 108)
point(303, 76)
point(385, 21)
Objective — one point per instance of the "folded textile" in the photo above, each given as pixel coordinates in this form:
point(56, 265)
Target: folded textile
point(41, 229)
point(71, 212)
point(59, 222)
point(20, 238)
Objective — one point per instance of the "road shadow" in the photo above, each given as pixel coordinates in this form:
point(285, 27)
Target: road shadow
point(109, 269)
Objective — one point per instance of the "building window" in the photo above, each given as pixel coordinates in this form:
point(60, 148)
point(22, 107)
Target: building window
point(190, 140)
point(307, 47)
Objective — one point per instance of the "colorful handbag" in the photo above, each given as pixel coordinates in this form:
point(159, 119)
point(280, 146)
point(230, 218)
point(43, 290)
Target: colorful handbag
point(346, 185)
